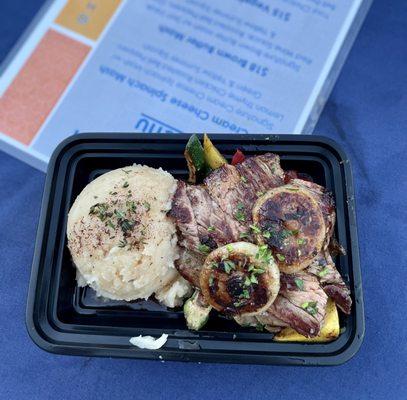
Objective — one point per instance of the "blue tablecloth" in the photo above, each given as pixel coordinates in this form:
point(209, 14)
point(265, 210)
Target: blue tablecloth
point(367, 114)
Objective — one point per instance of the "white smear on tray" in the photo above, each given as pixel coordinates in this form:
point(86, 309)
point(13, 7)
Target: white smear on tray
point(148, 342)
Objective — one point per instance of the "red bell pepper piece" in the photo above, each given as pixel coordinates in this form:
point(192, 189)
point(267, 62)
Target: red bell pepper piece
point(238, 157)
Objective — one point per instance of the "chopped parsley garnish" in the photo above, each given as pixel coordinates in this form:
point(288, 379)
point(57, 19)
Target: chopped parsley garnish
point(259, 194)
point(240, 206)
point(214, 265)
point(280, 257)
point(203, 248)
point(211, 280)
point(113, 193)
point(147, 206)
point(211, 229)
point(126, 225)
point(119, 214)
point(267, 234)
point(100, 210)
point(239, 303)
point(228, 265)
point(301, 241)
point(126, 184)
point(126, 172)
point(293, 189)
point(299, 283)
point(253, 279)
point(259, 327)
point(122, 243)
point(285, 233)
point(310, 307)
point(255, 270)
point(243, 179)
point(131, 205)
point(239, 215)
point(243, 235)
point(264, 254)
point(323, 272)
point(247, 281)
point(255, 229)
point(110, 223)
point(245, 294)
point(229, 248)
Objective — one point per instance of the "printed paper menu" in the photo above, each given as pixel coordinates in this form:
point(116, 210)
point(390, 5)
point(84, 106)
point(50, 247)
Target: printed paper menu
point(169, 66)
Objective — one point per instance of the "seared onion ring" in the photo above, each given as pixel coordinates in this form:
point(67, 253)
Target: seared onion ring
point(290, 221)
point(240, 279)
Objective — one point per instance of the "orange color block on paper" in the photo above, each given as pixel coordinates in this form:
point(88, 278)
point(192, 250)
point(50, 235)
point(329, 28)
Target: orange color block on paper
point(36, 89)
point(87, 17)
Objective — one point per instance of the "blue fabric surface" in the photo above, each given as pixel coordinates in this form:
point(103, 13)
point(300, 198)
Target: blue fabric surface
point(367, 114)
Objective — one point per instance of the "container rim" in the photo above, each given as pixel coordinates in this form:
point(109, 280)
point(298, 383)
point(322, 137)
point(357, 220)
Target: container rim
point(66, 348)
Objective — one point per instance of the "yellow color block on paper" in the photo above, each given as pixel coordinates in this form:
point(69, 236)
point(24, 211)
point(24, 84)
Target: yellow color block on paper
point(87, 17)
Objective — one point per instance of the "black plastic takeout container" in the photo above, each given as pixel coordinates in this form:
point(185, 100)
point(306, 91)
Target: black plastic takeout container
point(62, 318)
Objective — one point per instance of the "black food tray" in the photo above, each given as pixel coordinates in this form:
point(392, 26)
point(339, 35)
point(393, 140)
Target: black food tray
point(62, 318)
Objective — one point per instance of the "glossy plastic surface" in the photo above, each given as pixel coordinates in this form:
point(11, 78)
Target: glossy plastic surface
point(65, 319)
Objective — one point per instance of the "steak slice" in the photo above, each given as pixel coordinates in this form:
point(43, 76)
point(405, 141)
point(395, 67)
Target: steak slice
point(271, 322)
point(263, 320)
point(236, 188)
point(226, 187)
point(189, 265)
point(262, 172)
point(200, 220)
point(301, 304)
point(214, 228)
point(331, 281)
point(183, 214)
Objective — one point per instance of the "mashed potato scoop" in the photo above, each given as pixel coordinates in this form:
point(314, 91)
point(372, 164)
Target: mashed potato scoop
point(122, 241)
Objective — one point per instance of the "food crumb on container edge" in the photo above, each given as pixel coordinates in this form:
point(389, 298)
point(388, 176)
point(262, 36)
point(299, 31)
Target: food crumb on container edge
point(148, 342)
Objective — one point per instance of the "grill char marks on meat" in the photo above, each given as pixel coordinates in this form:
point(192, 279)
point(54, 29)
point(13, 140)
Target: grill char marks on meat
point(200, 220)
point(236, 189)
point(183, 214)
point(213, 228)
point(300, 221)
point(299, 305)
point(220, 211)
point(227, 188)
point(262, 172)
point(331, 281)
